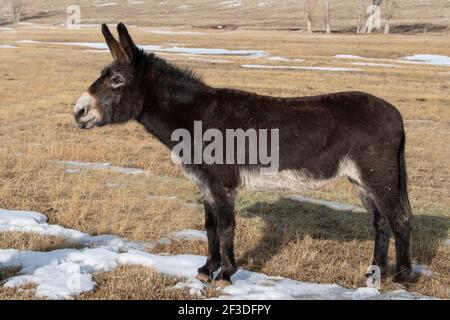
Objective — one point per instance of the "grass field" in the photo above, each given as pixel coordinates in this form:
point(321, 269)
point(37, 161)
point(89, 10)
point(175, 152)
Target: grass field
point(40, 83)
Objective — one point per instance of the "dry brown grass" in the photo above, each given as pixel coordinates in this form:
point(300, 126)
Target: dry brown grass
point(40, 83)
point(135, 283)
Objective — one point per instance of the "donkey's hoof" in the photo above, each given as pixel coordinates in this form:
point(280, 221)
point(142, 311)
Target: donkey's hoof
point(203, 277)
point(221, 283)
point(405, 276)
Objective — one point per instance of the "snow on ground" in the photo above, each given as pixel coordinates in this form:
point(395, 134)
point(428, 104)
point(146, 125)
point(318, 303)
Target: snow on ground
point(329, 204)
point(189, 205)
point(429, 59)
point(64, 273)
point(28, 221)
point(373, 64)
point(418, 121)
point(108, 4)
point(6, 46)
point(158, 48)
point(210, 60)
point(78, 166)
point(418, 59)
point(189, 234)
point(169, 32)
point(260, 66)
point(232, 3)
point(284, 59)
point(347, 56)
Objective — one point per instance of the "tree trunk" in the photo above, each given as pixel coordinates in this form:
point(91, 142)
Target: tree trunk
point(361, 14)
point(308, 25)
point(387, 26)
point(389, 13)
point(327, 16)
point(308, 16)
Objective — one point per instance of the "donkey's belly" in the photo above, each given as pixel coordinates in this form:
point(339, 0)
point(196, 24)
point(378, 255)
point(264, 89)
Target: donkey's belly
point(283, 180)
point(296, 179)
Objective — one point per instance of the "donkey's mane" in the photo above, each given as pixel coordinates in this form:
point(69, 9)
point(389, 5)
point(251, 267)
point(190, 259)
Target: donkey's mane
point(150, 60)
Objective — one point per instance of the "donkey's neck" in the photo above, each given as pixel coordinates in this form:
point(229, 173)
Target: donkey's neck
point(175, 99)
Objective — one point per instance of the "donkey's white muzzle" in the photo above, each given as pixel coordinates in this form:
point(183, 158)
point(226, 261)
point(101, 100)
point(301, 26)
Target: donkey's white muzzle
point(85, 113)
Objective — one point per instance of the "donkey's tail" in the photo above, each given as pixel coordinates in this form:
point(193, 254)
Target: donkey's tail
point(403, 177)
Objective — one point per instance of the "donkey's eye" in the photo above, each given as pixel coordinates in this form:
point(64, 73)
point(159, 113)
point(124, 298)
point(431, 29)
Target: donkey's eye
point(117, 81)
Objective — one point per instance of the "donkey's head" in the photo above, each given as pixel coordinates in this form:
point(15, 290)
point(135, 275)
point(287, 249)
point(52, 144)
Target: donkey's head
point(117, 95)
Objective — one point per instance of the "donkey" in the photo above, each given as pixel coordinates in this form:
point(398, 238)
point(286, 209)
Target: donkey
point(348, 134)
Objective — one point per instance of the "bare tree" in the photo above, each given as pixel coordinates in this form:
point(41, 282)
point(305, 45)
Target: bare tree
point(17, 10)
point(390, 8)
point(11, 10)
point(308, 16)
point(372, 16)
point(361, 14)
point(327, 16)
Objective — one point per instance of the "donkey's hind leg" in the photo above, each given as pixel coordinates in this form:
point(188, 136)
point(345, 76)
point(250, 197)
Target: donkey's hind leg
point(400, 222)
point(391, 206)
point(382, 233)
point(205, 273)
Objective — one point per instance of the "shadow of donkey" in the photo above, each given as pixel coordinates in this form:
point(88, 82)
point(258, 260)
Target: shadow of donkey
point(287, 218)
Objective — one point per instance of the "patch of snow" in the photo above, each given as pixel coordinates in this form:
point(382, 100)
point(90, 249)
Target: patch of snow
point(373, 64)
point(42, 26)
point(188, 205)
point(418, 121)
point(418, 59)
point(189, 234)
point(347, 56)
point(260, 66)
point(329, 204)
point(422, 269)
point(164, 241)
point(157, 48)
point(28, 41)
point(34, 222)
point(6, 29)
point(101, 167)
point(97, 51)
point(115, 185)
point(278, 58)
point(109, 4)
point(231, 3)
point(61, 274)
point(72, 171)
point(168, 32)
point(430, 59)
point(6, 46)
point(206, 51)
point(210, 60)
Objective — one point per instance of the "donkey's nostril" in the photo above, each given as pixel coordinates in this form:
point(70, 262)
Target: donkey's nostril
point(81, 113)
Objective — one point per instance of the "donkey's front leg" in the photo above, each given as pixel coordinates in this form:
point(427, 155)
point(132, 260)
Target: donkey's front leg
point(224, 204)
point(205, 273)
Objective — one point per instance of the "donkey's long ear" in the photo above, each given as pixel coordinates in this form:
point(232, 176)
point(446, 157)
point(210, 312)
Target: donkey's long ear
point(114, 46)
point(131, 50)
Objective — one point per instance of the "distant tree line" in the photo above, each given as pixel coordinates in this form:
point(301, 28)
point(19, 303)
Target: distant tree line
point(11, 11)
point(369, 14)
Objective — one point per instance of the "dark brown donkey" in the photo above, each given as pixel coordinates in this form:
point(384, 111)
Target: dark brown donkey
point(350, 134)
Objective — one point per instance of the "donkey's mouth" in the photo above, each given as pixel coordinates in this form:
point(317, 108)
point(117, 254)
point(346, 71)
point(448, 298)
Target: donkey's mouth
point(86, 124)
